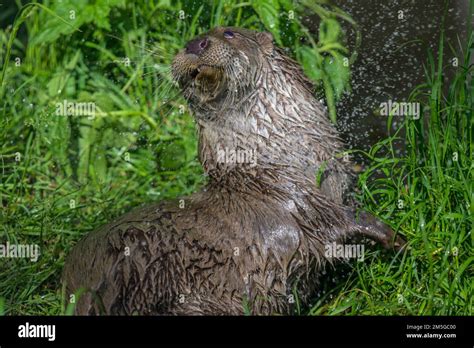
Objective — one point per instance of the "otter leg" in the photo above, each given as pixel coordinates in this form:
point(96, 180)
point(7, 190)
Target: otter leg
point(369, 226)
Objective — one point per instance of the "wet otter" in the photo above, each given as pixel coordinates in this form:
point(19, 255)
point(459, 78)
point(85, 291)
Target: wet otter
point(257, 233)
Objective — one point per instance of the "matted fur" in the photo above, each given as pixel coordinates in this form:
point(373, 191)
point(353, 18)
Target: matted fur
point(255, 235)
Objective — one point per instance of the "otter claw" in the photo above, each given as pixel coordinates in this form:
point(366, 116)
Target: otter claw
point(399, 243)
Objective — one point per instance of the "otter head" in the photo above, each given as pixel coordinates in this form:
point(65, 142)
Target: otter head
point(220, 67)
point(253, 106)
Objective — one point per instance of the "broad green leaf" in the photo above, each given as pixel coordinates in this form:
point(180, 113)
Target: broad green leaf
point(329, 31)
point(57, 83)
point(268, 12)
point(310, 60)
point(337, 72)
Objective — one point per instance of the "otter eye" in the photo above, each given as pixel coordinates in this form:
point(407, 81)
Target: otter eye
point(228, 34)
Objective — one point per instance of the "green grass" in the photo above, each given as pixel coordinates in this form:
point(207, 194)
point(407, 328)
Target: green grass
point(427, 195)
point(61, 177)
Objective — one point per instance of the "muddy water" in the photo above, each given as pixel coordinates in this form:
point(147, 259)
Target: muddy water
point(391, 57)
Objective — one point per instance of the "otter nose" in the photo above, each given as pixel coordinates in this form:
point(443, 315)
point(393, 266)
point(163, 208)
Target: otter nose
point(196, 46)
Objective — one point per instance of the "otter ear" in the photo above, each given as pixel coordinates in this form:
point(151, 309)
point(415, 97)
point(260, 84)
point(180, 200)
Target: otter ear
point(265, 39)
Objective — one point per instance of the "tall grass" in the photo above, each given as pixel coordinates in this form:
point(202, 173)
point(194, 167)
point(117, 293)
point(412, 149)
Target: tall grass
point(427, 195)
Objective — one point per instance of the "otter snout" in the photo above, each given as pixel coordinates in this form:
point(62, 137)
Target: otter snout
point(196, 46)
point(220, 66)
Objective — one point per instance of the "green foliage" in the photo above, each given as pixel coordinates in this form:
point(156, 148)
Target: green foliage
point(427, 195)
point(71, 15)
point(268, 11)
point(327, 61)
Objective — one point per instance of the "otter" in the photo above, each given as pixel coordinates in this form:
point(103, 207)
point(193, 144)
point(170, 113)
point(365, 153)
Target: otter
point(256, 234)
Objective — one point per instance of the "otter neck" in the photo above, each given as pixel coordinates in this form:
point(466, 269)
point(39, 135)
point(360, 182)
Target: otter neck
point(278, 134)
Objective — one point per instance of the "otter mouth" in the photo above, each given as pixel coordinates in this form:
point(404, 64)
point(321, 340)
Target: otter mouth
point(204, 71)
point(195, 72)
point(199, 80)
point(207, 80)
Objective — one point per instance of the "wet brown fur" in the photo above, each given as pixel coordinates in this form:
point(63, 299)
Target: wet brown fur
point(255, 235)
